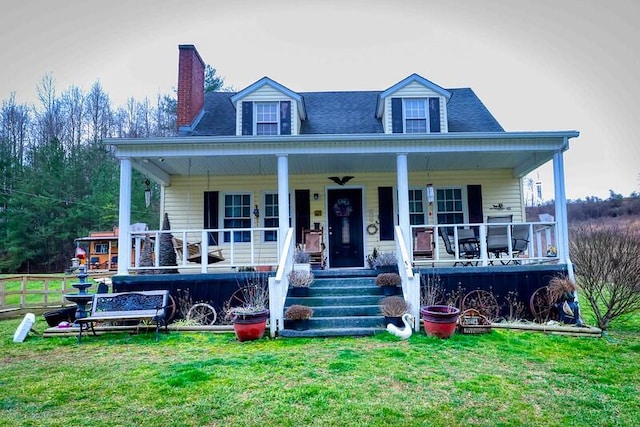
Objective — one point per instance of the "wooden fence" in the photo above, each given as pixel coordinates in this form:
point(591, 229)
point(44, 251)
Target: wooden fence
point(39, 291)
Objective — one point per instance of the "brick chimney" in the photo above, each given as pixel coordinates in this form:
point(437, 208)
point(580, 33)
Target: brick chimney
point(190, 85)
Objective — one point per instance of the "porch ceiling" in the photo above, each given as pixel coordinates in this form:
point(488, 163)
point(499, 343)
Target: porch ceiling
point(350, 154)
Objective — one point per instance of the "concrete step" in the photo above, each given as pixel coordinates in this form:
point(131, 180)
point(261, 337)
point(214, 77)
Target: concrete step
point(347, 310)
point(331, 332)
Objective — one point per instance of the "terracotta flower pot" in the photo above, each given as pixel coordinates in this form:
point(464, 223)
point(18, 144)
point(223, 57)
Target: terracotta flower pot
point(439, 320)
point(250, 327)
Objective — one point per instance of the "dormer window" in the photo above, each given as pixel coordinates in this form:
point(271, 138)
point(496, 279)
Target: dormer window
point(267, 116)
point(415, 115)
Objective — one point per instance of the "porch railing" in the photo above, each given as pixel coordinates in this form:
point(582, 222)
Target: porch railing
point(541, 244)
point(241, 247)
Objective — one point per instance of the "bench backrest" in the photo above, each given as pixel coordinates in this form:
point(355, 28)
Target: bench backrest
point(144, 303)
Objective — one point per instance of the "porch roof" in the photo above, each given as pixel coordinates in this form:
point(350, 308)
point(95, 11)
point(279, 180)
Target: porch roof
point(160, 158)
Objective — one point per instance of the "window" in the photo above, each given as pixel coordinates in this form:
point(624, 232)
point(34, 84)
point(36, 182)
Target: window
point(415, 114)
point(101, 248)
point(237, 214)
point(267, 115)
point(270, 216)
point(450, 206)
point(416, 207)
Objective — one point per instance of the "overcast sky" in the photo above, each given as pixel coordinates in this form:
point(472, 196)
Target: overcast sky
point(537, 65)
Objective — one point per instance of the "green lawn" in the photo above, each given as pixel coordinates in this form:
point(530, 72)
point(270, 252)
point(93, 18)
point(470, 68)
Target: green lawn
point(197, 379)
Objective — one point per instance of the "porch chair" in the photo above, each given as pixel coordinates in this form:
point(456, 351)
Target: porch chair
point(313, 244)
point(519, 240)
point(423, 243)
point(497, 235)
point(194, 252)
point(468, 246)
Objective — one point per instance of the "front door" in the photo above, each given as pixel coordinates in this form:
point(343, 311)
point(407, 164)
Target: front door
point(344, 209)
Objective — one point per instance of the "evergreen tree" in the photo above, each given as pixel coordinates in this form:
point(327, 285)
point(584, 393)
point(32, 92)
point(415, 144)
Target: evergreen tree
point(167, 253)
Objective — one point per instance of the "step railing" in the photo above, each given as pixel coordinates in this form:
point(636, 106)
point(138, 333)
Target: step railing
point(410, 280)
point(279, 285)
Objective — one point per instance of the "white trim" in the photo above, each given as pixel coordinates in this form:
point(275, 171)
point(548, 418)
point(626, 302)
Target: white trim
point(124, 218)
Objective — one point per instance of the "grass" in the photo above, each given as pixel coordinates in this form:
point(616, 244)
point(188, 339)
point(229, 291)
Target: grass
point(196, 379)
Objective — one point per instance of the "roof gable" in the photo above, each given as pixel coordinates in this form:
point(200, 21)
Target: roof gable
point(266, 81)
point(413, 78)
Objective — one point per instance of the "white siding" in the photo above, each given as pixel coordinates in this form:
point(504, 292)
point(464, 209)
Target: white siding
point(184, 200)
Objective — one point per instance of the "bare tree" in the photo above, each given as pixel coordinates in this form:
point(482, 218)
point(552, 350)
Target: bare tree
point(99, 111)
point(49, 119)
point(72, 106)
point(607, 270)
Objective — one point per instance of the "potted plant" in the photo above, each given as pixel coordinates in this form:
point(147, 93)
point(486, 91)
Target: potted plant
point(250, 317)
point(386, 261)
point(439, 320)
point(388, 282)
point(392, 308)
point(301, 260)
point(298, 316)
point(299, 282)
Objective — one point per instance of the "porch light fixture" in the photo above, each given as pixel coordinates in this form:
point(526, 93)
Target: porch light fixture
point(147, 192)
point(430, 195)
point(316, 196)
point(256, 212)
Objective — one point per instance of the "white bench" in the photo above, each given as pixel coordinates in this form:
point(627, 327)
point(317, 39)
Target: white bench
point(122, 306)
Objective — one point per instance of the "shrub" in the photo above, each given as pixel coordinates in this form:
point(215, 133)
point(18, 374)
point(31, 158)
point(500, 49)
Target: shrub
point(301, 257)
point(388, 279)
point(607, 270)
point(385, 259)
point(298, 312)
point(300, 278)
point(394, 306)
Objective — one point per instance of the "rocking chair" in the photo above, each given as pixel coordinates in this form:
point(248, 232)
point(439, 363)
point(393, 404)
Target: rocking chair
point(194, 252)
point(313, 244)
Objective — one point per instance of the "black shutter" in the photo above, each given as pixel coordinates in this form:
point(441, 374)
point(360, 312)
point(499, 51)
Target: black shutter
point(474, 200)
point(396, 115)
point(285, 117)
point(247, 118)
point(211, 203)
point(434, 115)
point(303, 213)
point(385, 212)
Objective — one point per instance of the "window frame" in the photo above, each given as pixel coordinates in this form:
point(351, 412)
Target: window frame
point(412, 203)
point(104, 246)
point(425, 106)
point(239, 236)
point(270, 236)
point(463, 200)
point(257, 122)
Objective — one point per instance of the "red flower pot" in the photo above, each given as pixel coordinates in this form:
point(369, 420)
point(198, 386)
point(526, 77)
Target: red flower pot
point(439, 320)
point(250, 327)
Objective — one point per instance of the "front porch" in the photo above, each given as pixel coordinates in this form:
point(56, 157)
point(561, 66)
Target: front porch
point(511, 274)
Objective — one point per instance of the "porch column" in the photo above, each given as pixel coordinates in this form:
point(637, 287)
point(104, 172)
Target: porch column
point(403, 196)
point(562, 228)
point(283, 199)
point(124, 218)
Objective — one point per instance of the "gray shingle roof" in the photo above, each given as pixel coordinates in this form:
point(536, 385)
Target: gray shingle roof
point(347, 113)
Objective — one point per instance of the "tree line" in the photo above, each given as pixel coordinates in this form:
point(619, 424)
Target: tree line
point(58, 180)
